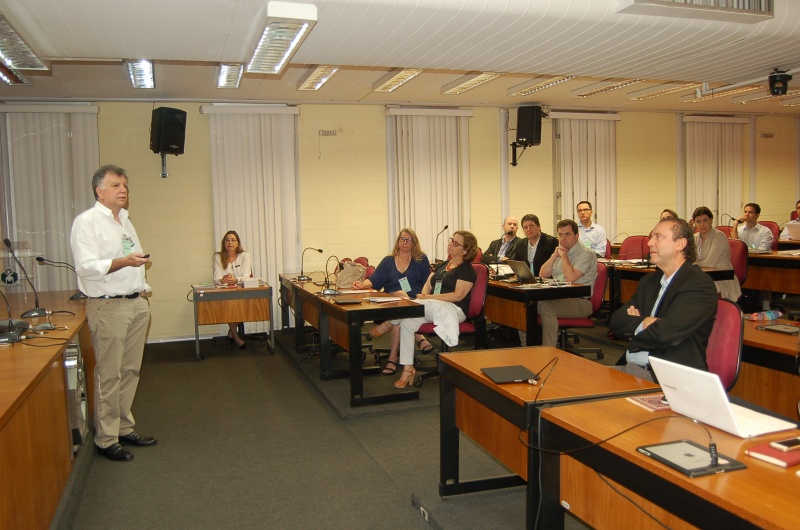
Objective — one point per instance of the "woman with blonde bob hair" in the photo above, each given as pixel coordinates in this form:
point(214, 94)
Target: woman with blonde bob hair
point(402, 273)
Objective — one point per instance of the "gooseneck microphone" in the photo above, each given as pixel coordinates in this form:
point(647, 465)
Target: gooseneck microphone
point(62, 265)
point(303, 277)
point(11, 336)
point(436, 244)
point(37, 311)
point(327, 291)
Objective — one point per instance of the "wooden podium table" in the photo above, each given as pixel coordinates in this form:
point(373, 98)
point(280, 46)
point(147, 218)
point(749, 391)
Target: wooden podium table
point(517, 305)
point(35, 439)
point(504, 418)
point(341, 324)
point(220, 305)
point(581, 481)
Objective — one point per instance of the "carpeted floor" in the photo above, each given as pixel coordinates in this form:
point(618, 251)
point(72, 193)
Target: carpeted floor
point(252, 440)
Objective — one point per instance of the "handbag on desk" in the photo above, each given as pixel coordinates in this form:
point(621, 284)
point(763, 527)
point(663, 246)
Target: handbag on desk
point(350, 272)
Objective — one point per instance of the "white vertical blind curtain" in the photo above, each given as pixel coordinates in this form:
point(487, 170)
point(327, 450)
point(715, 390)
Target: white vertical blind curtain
point(254, 181)
point(714, 157)
point(586, 158)
point(428, 177)
point(51, 159)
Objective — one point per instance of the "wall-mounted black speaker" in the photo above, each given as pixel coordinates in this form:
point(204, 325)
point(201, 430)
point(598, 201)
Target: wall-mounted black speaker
point(167, 131)
point(529, 126)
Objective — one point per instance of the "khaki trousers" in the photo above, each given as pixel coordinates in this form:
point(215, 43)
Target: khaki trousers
point(551, 310)
point(119, 329)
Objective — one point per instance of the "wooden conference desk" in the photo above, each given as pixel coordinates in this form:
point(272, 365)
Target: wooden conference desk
point(627, 278)
point(220, 305)
point(342, 324)
point(516, 305)
point(788, 244)
point(761, 496)
point(769, 375)
point(778, 273)
point(494, 415)
point(35, 439)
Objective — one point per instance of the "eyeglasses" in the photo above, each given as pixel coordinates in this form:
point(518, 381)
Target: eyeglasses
point(231, 240)
point(406, 240)
point(584, 210)
point(455, 243)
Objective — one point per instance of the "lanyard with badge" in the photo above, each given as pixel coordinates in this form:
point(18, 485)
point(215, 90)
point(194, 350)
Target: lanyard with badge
point(404, 284)
point(127, 245)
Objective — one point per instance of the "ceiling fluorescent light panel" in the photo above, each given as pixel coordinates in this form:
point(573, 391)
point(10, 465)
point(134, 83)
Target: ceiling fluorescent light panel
point(230, 75)
point(468, 82)
point(661, 90)
point(14, 52)
point(603, 87)
point(287, 26)
point(141, 73)
point(316, 77)
point(539, 83)
point(395, 79)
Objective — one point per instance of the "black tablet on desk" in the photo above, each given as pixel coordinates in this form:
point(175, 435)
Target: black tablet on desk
point(509, 374)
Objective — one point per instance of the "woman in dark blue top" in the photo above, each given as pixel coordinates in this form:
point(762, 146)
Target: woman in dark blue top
point(403, 273)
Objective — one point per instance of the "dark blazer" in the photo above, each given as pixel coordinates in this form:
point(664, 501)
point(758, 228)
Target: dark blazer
point(547, 245)
point(490, 254)
point(686, 315)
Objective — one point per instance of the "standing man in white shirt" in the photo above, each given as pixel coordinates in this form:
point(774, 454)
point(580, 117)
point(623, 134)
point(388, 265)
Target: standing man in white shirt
point(109, 262)
point(746, 228)
point(591, 235)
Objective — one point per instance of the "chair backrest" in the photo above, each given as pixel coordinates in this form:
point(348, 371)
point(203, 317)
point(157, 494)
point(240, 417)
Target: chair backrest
point(369, 272)
point(599, 289)
point(608, 249)
point(478, 256)
point(362, 260)
point(634, 247)
point(478, 293)
point(776, 232)
point(739, 259)
point(793, 215)
point(724, 349)
point(725, 229)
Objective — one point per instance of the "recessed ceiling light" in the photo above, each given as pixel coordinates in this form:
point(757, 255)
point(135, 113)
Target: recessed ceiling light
point(661, 90)
point(395, 79)
point(14, 52)
point(314, 79)
point(141, 72)
point(230, 75)
point(287, 26)
point(603, 87)
point(540, 83)
point(468, 82)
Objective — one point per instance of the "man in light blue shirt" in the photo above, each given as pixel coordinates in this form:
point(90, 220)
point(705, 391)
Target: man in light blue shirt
point(746, 228)
point(592, 235)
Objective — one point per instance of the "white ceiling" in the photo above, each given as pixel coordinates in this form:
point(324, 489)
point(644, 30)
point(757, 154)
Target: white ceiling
point(86, 42)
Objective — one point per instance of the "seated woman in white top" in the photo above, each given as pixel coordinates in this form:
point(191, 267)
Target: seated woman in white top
point(232, 263)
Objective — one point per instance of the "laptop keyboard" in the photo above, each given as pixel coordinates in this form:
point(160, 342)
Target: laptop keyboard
point(750, 421)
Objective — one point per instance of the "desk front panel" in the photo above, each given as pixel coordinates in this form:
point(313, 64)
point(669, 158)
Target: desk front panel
point(775, 272)
point(507, 312)
point(224, 311)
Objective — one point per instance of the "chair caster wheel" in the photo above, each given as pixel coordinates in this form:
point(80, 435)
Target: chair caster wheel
point(418, 382)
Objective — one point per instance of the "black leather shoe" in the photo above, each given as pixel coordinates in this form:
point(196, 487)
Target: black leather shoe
point(134, 438)
point(116, 452)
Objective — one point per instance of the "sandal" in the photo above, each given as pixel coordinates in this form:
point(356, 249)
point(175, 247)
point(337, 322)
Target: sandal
point(387, 370)
point(377, 331)
point(424, 350)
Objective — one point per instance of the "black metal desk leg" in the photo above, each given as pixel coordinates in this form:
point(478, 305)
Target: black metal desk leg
point(356, 361)
point(448, 435)
point(533, 336)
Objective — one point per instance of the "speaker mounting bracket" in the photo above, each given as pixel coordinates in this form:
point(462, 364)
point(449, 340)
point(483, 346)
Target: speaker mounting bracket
point(164, 173)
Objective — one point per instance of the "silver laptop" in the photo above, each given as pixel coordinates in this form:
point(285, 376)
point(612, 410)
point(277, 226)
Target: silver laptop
point(794, 231)
point(522, 270)
point(700, 396)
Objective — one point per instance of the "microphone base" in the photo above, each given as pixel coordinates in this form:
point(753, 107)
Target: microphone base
point(34, 313)
point(303, 278)
point(330, 292)
point(10, 338)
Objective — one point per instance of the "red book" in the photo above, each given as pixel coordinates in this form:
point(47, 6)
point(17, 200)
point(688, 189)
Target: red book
point(774, 456)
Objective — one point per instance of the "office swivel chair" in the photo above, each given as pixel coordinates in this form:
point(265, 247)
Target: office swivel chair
point(723, 353)
point(725, 229)
point(634, 247)
point(598, 292)
point(739, 259)
point(776, 232)
point(475, 324)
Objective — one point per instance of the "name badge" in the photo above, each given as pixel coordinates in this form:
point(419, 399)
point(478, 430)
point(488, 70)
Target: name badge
point(437, 288)
point(127, 245)
point(404, 285)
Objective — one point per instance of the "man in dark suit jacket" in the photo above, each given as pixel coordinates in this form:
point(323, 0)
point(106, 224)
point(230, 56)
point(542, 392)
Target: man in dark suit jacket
point(500, 248)
point(536, 248)
point(677, 329)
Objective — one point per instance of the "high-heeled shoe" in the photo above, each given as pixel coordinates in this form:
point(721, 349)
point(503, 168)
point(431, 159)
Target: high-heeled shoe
point(407, 378)
point(379, 330)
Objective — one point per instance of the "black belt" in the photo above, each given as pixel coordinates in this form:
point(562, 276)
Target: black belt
point(125, 296)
